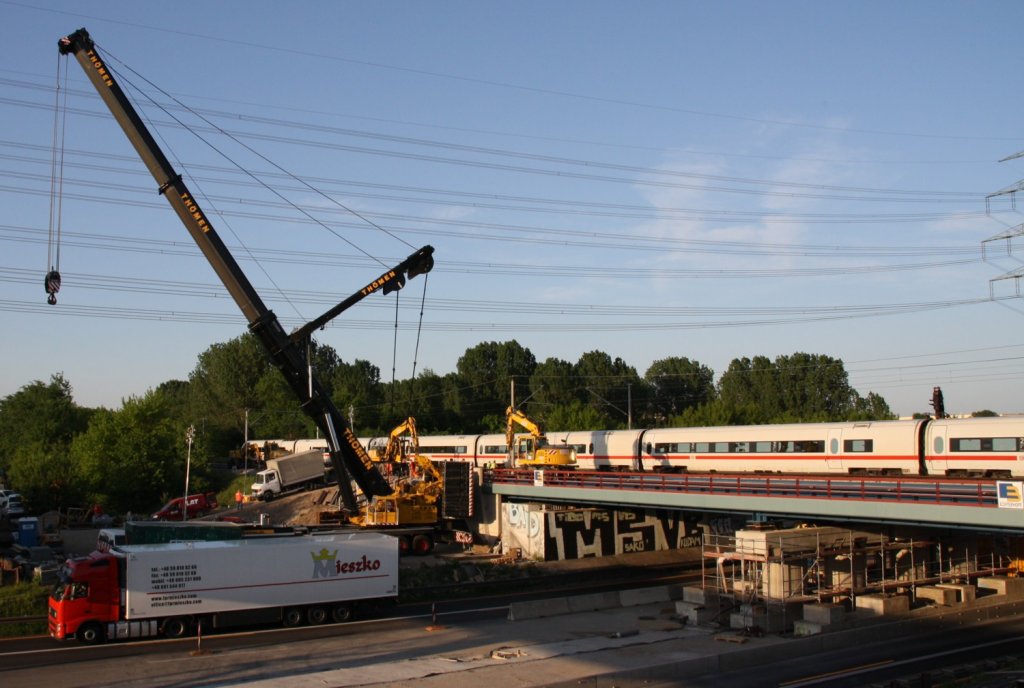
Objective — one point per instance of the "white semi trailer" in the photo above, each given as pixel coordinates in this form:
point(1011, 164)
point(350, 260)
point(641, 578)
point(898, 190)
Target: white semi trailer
point(172, 589)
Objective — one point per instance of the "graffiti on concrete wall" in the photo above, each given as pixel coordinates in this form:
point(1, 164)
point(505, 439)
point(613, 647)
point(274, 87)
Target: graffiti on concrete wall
point(581, 533)
point(523, 529)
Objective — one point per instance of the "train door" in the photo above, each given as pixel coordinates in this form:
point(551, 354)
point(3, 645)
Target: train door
point(834, 450)
point(936, 449)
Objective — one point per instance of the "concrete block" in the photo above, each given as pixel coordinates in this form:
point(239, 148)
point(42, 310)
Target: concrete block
point(964, 593)
point(1011, 587)
point(941, 596)
point(592, 602)
point(824, 614)
point(770, 620)
point(639, 596)
point(806, 628)
point(883, 605)
point(535, 609)
point(705, 596)
point(696, 614)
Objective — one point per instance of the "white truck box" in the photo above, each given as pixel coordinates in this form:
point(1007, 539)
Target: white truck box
point(205, 577)
point(290, 471)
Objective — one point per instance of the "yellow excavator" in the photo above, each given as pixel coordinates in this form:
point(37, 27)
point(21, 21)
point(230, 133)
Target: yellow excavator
point(414, 501)
point(532, 450)
point(395, 451)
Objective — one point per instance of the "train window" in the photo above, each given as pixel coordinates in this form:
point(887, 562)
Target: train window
point(762, 447)
point(940, 445)
point(702, 447)
point(495, 449)
point(739, 447)
point(833, 447)
point(670, 448)
point(443, 450)
point(591, 450)
point(720, 447)
point(1004, 444)
point(859, 446)
point(807, 447)
point(980, 444)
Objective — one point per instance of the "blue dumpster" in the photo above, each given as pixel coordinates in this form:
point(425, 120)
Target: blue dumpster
point(28, 531)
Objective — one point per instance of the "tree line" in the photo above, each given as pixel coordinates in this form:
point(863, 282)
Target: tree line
point(59, 454)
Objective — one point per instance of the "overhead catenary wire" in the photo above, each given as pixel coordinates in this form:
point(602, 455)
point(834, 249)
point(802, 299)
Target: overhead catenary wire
point(234, 136)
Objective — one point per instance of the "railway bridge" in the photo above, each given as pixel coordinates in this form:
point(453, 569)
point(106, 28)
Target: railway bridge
point(975, 504)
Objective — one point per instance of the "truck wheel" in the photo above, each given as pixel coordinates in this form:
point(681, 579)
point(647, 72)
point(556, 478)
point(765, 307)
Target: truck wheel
point(342, 613)
point(292, 617)
point(316, 616)
point(91, 634)
point(422, 544)
point(404, 545)
point(175, 628)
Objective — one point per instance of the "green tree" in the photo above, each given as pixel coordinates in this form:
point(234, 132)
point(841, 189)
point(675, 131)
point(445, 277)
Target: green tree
point(358, 394)
point(134, 458)
point(609, 384)
point(554, 384)
point(677, 383)
point(37, 425)
point(226, 382)
point(573, 416)
point(871, 407)
point(791, 389)
point(486, 372)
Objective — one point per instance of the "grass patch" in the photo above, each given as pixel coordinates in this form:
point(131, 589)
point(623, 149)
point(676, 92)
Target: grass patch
point(226, 497)
point(23, 599)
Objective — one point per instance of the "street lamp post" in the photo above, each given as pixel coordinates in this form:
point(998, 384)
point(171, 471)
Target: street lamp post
point(190, 435)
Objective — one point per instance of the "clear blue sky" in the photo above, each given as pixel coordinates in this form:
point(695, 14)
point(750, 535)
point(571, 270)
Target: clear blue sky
point(708, 180)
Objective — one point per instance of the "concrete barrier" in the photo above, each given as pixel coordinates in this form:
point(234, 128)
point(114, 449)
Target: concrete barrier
point(593, 602)
point(934, 593)
point(535, 609)
point(639, 596)
point(824, 614)
point(1011, 587)
point(964, 593)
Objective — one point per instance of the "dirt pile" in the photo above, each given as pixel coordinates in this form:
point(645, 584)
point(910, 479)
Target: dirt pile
point(301, 509)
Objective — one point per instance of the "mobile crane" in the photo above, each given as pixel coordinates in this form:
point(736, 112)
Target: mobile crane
point(533, 450)
point(286, 351)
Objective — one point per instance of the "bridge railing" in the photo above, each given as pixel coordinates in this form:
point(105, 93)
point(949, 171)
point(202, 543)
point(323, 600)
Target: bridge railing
point(917, 490)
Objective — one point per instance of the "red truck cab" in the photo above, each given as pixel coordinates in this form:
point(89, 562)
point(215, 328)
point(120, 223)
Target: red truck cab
point(87, 599)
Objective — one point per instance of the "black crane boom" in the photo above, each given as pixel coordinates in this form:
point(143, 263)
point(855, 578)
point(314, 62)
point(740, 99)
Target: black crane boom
point(287, 352)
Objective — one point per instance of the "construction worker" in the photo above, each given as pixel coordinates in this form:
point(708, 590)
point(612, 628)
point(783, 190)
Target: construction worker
point(239, 498)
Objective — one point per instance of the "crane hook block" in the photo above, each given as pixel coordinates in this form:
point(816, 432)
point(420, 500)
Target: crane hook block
point(52, 286)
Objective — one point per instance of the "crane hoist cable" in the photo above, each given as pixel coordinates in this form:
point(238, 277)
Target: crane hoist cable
point(52, 280)
point(416, 348)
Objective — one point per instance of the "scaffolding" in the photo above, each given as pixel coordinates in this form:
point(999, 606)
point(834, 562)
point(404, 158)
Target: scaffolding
point(759, 566)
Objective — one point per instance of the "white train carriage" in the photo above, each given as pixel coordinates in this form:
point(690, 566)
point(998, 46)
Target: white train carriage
point(478, 450)
point(862, 448)
point(975, 447)
point(602, 450)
